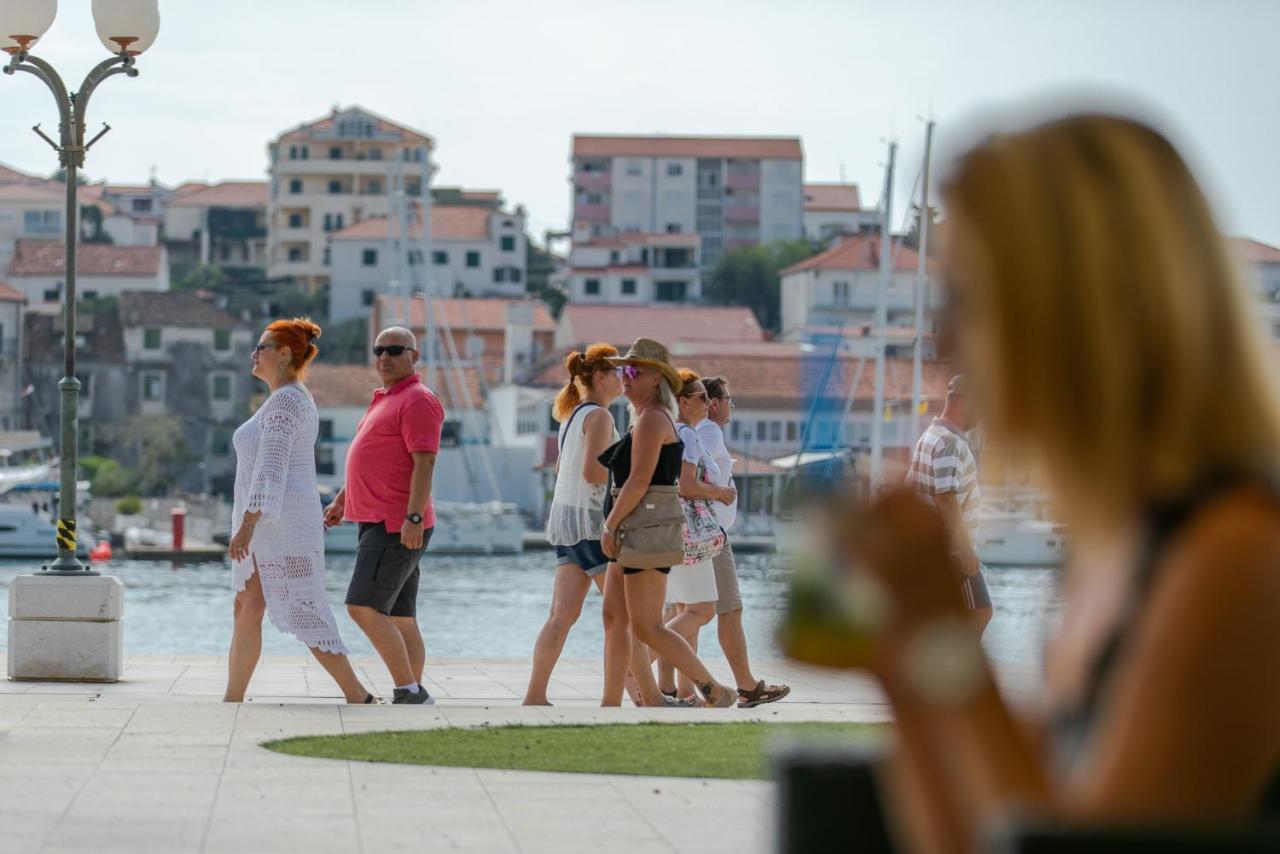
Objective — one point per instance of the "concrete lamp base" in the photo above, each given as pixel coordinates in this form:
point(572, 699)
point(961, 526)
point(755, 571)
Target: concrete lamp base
point(66, 629)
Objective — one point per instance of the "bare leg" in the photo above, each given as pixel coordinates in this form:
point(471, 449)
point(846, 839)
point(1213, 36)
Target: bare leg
point(667, 673)
point(733, 641)
point(339, 667)
point(413, 644)
point(246, 638)
point(645, 593)
point(642, 670)
point(387, 641)
point(688, 624)
point(617, 636)
point(571, 588)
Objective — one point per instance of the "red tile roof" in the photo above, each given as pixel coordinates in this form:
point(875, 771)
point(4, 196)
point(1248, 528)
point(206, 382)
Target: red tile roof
point(353, 386)
point(47, 258)
point(127, 189)
point(476, 314)
point(857, 252)
point(307, 129)
point(1255, 251)
point(8, 293)
point(788, 382)
point(738, 147)
point(183, 309)
point(189, 187)
point(620, 325)
point(832, 197)
point(33, 192)
point(227, 194)
point(448, 222)
point(9, 175)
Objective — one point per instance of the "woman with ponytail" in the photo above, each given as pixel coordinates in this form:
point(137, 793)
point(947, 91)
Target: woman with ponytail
point(277, 550)
point(577, 507)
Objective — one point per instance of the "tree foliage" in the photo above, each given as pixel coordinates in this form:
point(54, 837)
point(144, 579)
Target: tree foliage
point(748, 276)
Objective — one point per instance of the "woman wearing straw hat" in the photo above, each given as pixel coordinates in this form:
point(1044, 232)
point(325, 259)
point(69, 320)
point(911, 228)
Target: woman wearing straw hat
point(645, 466)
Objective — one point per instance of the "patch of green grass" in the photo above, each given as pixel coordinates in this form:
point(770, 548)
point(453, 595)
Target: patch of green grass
point(730, 751)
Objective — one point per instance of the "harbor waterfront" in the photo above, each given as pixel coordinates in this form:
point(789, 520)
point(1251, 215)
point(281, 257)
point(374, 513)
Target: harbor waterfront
point(493, 607)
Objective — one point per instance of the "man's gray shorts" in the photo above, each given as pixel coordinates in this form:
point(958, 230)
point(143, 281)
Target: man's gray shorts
point(386, 573)
point(726, 569)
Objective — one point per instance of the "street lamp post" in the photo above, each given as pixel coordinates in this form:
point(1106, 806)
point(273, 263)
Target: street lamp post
point(126, 28)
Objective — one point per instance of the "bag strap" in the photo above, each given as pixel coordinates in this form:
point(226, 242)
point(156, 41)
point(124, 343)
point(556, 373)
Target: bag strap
point(569, 423)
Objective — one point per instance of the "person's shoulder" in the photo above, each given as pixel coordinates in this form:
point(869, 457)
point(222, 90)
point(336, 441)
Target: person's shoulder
point(420, 393)
point(709, 429)
point(596, 415)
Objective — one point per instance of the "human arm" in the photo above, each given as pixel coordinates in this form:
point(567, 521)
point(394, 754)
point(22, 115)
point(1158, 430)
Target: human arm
point(597, 429)
point(334, 512)
point(279, 424)
point(690, 485)
point(647, 437)
point(424, 466)
point(948, 504)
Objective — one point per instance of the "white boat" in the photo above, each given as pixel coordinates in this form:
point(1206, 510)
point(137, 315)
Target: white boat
point(488, 528)
point(1020, 540)
point(27, 533)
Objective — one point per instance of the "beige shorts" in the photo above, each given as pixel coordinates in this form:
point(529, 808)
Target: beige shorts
point(730, 597)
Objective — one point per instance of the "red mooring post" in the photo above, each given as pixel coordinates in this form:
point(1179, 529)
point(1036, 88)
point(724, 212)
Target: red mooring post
point(178, 516)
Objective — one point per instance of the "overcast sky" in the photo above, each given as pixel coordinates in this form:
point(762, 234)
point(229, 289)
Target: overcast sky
point(502, 84)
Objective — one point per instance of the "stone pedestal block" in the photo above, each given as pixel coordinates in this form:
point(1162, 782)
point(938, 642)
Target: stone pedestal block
point(66, 628)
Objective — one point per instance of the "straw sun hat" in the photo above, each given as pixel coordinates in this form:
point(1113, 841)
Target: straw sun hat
point(648, 353)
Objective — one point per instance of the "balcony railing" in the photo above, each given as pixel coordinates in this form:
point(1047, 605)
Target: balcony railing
point(591, 212)
point(741, 213)
point(593, 180)
point(743, 180)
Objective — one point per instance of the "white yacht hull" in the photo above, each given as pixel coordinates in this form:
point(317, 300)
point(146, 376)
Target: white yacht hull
point(1027, 544)
point(460, 529)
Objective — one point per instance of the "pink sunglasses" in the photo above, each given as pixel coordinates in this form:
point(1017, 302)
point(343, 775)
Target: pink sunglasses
point(628, 371)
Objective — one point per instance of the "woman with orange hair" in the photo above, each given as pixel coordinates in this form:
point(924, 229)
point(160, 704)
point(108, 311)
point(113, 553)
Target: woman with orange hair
point(577, 508)
point(277, 551)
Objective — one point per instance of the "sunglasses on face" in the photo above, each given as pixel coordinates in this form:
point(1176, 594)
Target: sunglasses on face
point(258, 348)
point(629, 372)
point(699, 395)
point(392, 350)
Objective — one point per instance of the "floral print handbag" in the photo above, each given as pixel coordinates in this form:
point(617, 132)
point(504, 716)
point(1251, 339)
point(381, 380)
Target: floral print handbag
point(704, 538)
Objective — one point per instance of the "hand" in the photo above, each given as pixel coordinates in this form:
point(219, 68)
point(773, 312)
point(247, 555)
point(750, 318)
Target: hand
point(333, 514)
point(238, 548)
point(969, 563)
point(609, 544)
point(728, 495)
point(411, 535)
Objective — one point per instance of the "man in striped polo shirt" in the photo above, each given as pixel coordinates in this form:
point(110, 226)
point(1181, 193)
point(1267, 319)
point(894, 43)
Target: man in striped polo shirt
point(944, 470)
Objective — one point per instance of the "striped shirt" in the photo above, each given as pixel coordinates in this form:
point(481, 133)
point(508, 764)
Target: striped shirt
point(943, 463)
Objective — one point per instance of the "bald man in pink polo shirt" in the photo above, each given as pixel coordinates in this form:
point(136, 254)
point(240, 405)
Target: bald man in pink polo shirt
point(388, 492)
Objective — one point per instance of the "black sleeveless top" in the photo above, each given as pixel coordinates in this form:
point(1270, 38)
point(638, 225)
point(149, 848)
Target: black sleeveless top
point(617, 459)
point(1072, 728)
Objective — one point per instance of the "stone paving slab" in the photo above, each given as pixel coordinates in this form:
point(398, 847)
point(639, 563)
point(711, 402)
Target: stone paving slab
point(158, 763)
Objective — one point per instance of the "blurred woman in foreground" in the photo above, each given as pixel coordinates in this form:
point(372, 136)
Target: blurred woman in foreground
point(1095, 309)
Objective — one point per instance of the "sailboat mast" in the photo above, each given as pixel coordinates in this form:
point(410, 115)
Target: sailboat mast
point(882, 312)
point(922, 289)
point(428, 354)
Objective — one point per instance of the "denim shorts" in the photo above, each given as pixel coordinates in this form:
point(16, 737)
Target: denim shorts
point(584, 554)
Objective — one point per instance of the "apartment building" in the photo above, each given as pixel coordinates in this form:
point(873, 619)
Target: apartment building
point(1261, 264)
point(475, 250)
point(29, 211)
point(833, 210)
point(223, 224)
point(582, 325)
point(332, 173)
point(635, 268)
point(730, 191)
point(38, 269)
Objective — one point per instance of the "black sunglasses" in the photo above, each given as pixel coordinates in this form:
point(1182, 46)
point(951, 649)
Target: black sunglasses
point(391, 350)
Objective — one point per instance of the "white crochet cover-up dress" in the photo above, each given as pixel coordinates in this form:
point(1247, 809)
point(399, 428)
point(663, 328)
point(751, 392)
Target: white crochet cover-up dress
point(276, 475)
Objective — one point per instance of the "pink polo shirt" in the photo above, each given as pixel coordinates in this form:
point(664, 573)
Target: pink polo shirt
point(401, 420)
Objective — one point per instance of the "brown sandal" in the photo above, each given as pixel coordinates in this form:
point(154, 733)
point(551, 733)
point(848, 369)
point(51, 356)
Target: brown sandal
point(761, 694)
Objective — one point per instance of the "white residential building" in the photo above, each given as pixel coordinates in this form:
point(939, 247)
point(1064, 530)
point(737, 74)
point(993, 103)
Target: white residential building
point(224, 224)
point(38, 269)
point(582, 325)
point(635, 268)
point(475, 251)
point(332, 173)
point(731, 191)
point(832, 210)
point(12, 305)
point(834, 293)
point(29, 212)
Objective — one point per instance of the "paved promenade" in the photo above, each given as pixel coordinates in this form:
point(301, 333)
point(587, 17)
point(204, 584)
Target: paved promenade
point(158, 763)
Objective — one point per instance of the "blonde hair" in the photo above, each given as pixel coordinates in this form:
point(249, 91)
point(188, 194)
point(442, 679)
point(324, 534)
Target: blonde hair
point(1110, 340)
point(581, 368)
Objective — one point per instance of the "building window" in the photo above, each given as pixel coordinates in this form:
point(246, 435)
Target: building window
point(86, 385)
point(473, 259)
point(499, 274)
point(762, 428)
point(293, 152)
point(735, 430)
point(295, 186)
point(221, 442)
point(628, 287)
point(439, 258)
point(635, 167)
point(335, 153)
point(295, 220)
point(515, 275)
point(791, 431)
point(775, 431)
point(222, 340)
point(295, 253)
point(841, 293)
point(326, 430)
point(591, 287)
point(325, 460)
point(142, 206)
point(151, 339)
point(595, 198)
point(674, 169)
point(508, 243)
point(152, 386)
point(335, 188)
point(671, 291)
point(369, 257)
point(415, 257)
point(366, 297)
point(41, 222)
point(89, 295)
point(673, 228)
point(221, 387)
point(375, 154)
point(374, 188)
point(52, 296)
